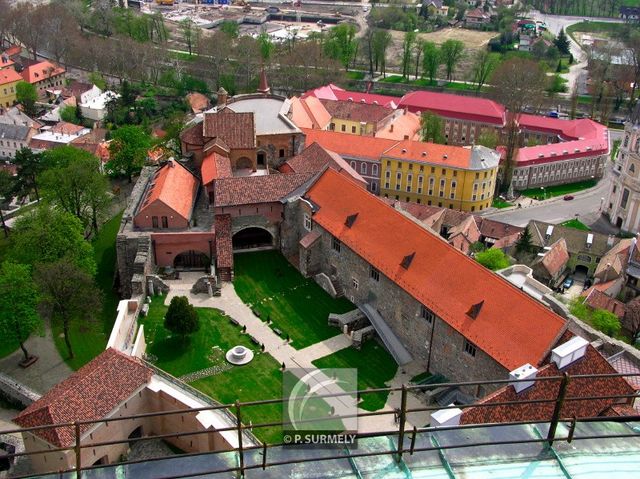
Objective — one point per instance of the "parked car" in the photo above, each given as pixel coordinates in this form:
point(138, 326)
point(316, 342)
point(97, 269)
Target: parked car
point(567, 283)
point(568, 197)
point(272, 9)
point(553, 114)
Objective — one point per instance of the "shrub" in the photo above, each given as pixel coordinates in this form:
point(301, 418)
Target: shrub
point(493, 258)
point(605, 321)
point(181, 317)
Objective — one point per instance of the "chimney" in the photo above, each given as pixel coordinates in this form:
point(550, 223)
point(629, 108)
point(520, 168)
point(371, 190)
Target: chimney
point(222, 96)
point(446, 417)
point(391, 128)
point(569, 352)
point(610, 240)
point(523, 372)
point(264, 85)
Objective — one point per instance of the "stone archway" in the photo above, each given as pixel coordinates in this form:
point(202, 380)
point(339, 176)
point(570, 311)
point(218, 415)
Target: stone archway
point(244, 163)
point(252, 237)
point(191, 259)
point(262, 159)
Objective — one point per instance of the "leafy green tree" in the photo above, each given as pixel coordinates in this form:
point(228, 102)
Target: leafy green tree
point(488, 138)
point(182, 317)
point(266, 46)
point(431, 128)
point(19, 298)
point(430, 60)
point(605, 321)
point(69, 294)
point(128, 150)
point(190, 33)
point(68, 114)
point(47, 234)
point(29, 166)
point(524, 243)
point(73, 182)
point(341, 43)
point(27, 95)
point(407, 47)
point(451, 52)
point(493, 258)
point(230, 28)
point(380, 43)
point(483, 67)
point(98, 80)
point(6, 190)
point(562, 42)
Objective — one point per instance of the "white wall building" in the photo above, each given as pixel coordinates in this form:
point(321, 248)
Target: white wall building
point(93, 103)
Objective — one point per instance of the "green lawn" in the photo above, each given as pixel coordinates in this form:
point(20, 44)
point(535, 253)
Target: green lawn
point(425, 82)
point(89, 339)
point(576, 224)
point(500, 203)
point(260, 379)
point(296, 305)
point(355, 75)
point(375, 367)
point(558, 190)
point(595, 27)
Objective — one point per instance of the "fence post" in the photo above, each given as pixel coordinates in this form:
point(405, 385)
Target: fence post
point(403, 419)
point(240, 448)
point(555, 418)
point(78, 451)
point(264, 456)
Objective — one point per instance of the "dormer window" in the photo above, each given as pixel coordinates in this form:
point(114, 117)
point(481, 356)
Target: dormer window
point(632, 168)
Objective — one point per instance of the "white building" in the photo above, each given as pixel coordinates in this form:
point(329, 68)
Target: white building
point(93, 103)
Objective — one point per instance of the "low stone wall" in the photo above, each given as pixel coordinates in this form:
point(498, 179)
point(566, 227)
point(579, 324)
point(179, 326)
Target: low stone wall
point(325, 283)
point(16, 393)
point(202, 285)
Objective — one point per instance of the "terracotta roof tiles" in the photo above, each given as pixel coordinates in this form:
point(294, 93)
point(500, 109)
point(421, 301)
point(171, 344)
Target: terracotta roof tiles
point(314, 158)
point(41, 71)
point(9, 75)
point(357, 111)
point(349, 146)
point(224, 245)
point(215, 166)
point(175, 186)
point(236, 129)
point(257, 189)
point(455, 106)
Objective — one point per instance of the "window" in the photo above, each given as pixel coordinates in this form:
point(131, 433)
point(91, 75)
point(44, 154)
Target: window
point(455, 173)
point(353, 165)
point(409, 179)
point(374, 274)
point(353, 129)
point(625, 198)
point(433, 169)
point(444, 172)
point(427, 314)
point(308, 225)
point(343, 127)
point(398, 176)
point(386, 173)
point(335, 244)
point(165, 222)
point(363, 168)
point(632, 168)
point(281, 153)
point(354, 283)
point(470, 348)
point(154, 221)
point(374, 170)
point(332, 126)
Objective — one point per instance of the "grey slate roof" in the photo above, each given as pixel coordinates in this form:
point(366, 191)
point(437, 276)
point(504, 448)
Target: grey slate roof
point(14, 132)
point(576, 239)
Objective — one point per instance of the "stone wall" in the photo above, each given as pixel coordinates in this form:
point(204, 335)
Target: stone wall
point(16, 393)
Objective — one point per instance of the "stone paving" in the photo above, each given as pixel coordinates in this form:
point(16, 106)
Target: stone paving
point(232, 305)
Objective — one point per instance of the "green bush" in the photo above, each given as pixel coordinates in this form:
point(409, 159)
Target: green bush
point(605, 321)
point(493, 258)
point(181, 318)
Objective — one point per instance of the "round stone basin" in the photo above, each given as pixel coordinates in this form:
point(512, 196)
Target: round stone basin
point(239, 355)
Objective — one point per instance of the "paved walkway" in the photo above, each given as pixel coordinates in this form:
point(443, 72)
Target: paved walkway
point(46, 372)
point(283, 352)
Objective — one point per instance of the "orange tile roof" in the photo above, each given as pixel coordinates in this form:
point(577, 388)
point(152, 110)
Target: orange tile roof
point(91, 393)
point(406, 126)
point(215, 166)
point(356, 111)
point(349, 146)
point(41, 71)
point(309, 113)
point(8, 75)
point(446, 155)
point(511, 327)
point(173, 185)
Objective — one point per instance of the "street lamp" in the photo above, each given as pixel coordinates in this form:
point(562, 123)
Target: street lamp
point(544, 196)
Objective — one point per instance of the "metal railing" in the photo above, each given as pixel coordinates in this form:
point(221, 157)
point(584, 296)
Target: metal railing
point(236, 411)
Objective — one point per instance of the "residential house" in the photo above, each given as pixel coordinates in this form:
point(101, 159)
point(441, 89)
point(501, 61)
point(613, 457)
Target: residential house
point(44, 76)
point(9, 78)
point(434, 8)
point(357, 118)
point(13, 138)
point(309, 112)
point(61, 133)
point(93, 103)
point(596, 299)
point(14, 116)
point(476, 19)
point(585, 248)
point(550, 265)
point(630, 14)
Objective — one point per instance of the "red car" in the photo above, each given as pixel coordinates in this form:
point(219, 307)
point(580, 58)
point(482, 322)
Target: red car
point(568, 197)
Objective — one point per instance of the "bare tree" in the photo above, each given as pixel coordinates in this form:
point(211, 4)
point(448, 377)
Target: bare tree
point(631, 320)
point(27, 26)
point(517, 84)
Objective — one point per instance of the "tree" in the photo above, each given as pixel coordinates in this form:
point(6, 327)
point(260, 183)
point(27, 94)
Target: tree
point(27, 95)
point(6, 190)
point(407, 47)
point(128, 150)
point(605, 321)
point(73, 182)
point(68, 114)
point(488, 137)
point(69, 294)
point(431, 128)
point(484, 65)
point(493, 258)
point(430, 60)
point(517, 83)
point(29, 166)
point(341, 43)
point(632, 319)
point(190, 33)
point(47, 234)
point(380, 43)
point(451, 52)
point(524, 243)
point(230, 28)
point(182, 317)
point(562, 42)
point(266, 46)
point(19, 317)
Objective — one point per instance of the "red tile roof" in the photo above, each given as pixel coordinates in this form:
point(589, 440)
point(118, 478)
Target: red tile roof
point(215, 166)
point(452, 156)
point(224, 245)
point(257, 189)
point(198, 102)
point(193, 135)
point(41, 71)
point(357, 111)
point(455, 106)
point(349, 146)
point(440, 277)
point(591, 363)
point(309, 113)
point(555, 260)
point(65, 128)
point(236, 129)
point(599, 300)
point(91, 393)
point(314, 158)
point(174, 186)
point(9, 75)
point(333, 92)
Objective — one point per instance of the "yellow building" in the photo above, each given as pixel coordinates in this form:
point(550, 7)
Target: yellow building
point(9, 78)
point(357, 118)
point(462, 178)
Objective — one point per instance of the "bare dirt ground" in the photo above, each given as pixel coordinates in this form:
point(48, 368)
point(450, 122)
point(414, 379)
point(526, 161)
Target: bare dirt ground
point(472, 39)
